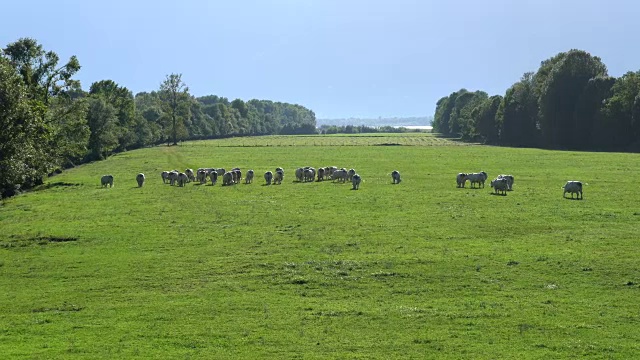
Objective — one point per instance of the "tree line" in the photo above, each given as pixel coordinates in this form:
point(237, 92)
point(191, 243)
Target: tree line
point(570, 102)
point(49, 122)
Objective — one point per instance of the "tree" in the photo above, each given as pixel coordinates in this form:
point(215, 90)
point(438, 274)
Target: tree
point(486, 120)
point(517, 116)
point(102, 118)
point(561, 94)
point(175, 98)
point(40, 71)
point(122, 100)
point(24, 136)
point(618, 125)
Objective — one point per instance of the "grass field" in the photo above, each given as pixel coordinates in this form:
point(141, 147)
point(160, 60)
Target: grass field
point(419, 270)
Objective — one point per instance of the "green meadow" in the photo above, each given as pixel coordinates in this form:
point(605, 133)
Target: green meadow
point(417, 270)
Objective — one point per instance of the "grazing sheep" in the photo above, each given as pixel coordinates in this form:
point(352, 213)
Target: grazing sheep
point(165, 176)
point(477, 178)
point(190, 175)
point(573, 187)
point(355, 180)
point(350, 174)
point(249, 178)
point(107, 180)
point(213, 175)
point(395, 177)
point(509, 179)
point(201, 175)
point(328, 171)
point(227, 178)
point(461, 179)
point(309, 174)
point(182, 179)
point(500, 185)
point(320, 174)
point(278, 177)
point(238, 175)
point(140, 179)
point(299, 174)
point(340, 175)
point(268, 176)
point(173, 177)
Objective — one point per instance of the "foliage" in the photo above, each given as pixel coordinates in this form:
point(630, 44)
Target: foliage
point(569, 102)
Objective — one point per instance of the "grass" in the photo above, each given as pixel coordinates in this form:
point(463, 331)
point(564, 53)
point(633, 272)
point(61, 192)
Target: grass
point(315, 270)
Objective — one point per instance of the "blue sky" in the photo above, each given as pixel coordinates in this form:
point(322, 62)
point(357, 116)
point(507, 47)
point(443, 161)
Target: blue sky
point(340, 58)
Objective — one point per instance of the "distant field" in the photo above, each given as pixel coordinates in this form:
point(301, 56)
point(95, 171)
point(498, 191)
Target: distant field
point(418, 270)
point(407, 139)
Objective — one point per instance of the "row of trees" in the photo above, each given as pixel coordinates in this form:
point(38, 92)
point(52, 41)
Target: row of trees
point(49, 122)
point(569, 103)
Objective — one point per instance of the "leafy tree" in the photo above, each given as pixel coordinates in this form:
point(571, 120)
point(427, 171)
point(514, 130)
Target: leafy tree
point(561, 94)
point(24, 135)
point(175, 98)
point(40, 71)
point(486, 120)
point(617, 128)
point(102, 118)
point(70, 135)
point(517, 117)
point(122, 100)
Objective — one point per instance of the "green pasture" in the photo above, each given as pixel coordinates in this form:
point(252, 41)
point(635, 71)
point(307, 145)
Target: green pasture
point(418, 270)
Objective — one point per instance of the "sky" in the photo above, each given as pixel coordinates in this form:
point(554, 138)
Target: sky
point(339, 58)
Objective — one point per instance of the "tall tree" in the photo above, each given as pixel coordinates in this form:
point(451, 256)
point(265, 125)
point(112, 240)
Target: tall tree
point(517, 115)
point(40, 71)
point(486, 120)
point(122, 100)
point(175, 97)
point(561, 94)
point(24, 133)
point(102, 118)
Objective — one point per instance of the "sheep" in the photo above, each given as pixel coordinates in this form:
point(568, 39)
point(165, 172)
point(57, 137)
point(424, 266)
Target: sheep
point(165, 176)
point(227, 178)
point(320, 174)
point(355, 180)
point(350, 174)
point(509, 179)
point(573, 187)
point(461, 179)
point(106, 180)
point(500, 185)
point(140, 179)
point(268, 176)
point(182, 179)
point(213, 175)
point(201, 175)
point(477, 178)
point(299, 174)
point(395, 177)
point(278, 177)
point(309, 174)
point(173, 177)
point(340, 175)
point(190, 175)
point(249, 178)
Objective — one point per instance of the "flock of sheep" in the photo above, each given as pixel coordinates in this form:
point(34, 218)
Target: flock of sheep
point(501, 184)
